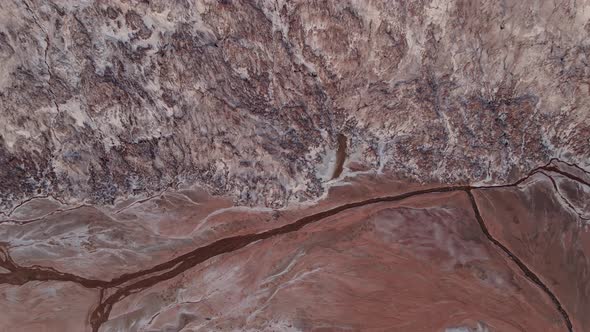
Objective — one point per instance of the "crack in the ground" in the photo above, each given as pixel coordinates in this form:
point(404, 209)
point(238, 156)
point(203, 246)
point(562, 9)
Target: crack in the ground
point(20, 275)
point(566, 174)
point(22, 222)
point(131, 283)
point(563, 198)
point(529, 274)
point(49, 72)
point(340, 156)
point(16, 207)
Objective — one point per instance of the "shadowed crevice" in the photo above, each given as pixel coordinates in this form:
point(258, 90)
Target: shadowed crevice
point(340, 156)
point(528, 273)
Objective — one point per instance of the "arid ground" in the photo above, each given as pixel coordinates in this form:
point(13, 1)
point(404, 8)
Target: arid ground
point(294, 165)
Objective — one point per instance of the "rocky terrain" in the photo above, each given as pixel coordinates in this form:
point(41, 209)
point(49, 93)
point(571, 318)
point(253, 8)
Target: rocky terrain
point(106, 99)
point(272, 165)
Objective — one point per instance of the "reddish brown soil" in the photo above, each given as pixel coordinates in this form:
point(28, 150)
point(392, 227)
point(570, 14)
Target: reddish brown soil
point(460, 256)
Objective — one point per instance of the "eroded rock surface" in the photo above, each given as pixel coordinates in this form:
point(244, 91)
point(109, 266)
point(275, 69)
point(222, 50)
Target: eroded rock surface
point(105, 99)
point(294, 165)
